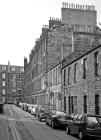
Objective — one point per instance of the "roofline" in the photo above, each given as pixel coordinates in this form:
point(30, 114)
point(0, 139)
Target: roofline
point(81, 56)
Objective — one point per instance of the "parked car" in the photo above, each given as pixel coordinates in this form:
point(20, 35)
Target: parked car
point(84, 125)
point(39, 110)
point(25, 106)
point(34, 109)
point(30, 107)
point(20, 104)
point(42, 116)
point(56, 119)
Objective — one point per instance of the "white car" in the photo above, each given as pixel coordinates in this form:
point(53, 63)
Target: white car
point(30, 108)
point(34, 109)
point(20, 104)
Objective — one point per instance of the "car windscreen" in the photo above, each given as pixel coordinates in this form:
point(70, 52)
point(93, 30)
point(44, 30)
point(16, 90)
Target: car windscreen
point(99, 119)
point(63, 117)
point(91, 119)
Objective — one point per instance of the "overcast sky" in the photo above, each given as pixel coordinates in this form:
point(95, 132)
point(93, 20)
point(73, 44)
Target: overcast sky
point(21, 22)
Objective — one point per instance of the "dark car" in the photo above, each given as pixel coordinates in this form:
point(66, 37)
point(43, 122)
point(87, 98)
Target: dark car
point(56, 119)
point(39, 110)
point(25, 107)
point(84, 126)
point(42, 116)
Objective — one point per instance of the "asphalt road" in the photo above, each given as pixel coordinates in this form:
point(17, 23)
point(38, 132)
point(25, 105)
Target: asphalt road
point(16, 124)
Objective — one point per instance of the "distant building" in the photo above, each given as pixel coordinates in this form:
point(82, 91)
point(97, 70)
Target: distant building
point(11, 82)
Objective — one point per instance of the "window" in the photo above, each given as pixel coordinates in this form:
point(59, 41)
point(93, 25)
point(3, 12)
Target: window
point(19, 91)
point(19, 76)
point(89, 29)
point(69, 105)
point(3, 75)
point(49, 80)
point(69, 75)
point(84, 68)
point(21, 69)
point(77, 27)
point(97, 104)
point(64, 77)
point(3, 67)
point(75, 71)
point(14, 76)
point(43, 83)
point(51, 77)
point(32, 74)
point(14, 83)
point(96, 64)
point(59, 74)
point(72, 107)
point(12, 68)
point(3, 91)
point(72, 104)
point(54, 76)
point(83, 27)
point(3, 83)
point(65, 103)
point(19, 84)
point(13, 90)
point(85, 103)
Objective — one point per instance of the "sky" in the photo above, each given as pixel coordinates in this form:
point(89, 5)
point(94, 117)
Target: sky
point(21, 23)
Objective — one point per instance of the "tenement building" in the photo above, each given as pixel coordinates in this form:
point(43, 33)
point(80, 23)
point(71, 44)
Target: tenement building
point(53, 96)
point(81, 77)
point(75, 32)
point(11, 82)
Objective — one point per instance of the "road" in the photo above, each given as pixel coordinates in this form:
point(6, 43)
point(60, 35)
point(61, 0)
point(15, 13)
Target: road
point(16, 124)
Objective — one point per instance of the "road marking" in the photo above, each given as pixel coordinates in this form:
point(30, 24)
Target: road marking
point(14, 130)
point(7, 132)
point(15, 133)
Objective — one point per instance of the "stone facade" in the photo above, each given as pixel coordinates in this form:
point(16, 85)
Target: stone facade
point(61, 38)
point(34, 71)
point(53, 90)
point(82, 83)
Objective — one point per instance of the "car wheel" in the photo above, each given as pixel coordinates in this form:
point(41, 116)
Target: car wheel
point(81, 137)
point(67, 130)
point(52, 125)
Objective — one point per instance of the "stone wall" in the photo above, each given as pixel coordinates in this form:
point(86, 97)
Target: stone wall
point(89, 86)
